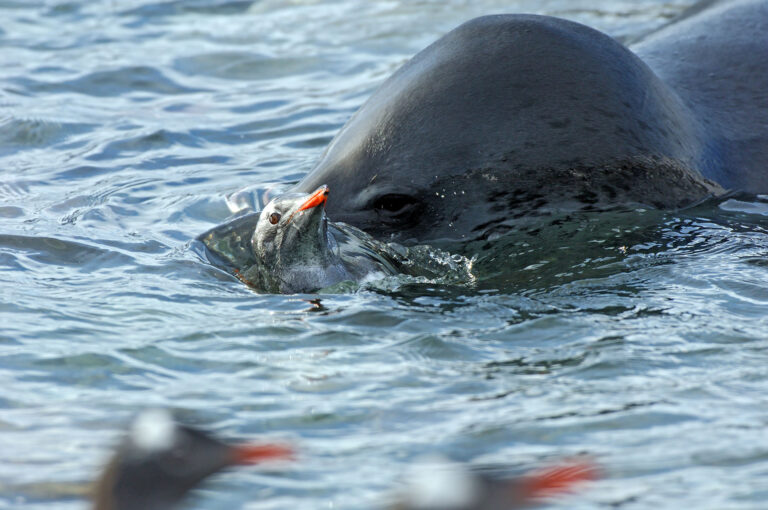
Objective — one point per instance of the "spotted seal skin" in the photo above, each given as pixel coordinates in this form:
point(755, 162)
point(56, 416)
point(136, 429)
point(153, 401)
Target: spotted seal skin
point(522, 116)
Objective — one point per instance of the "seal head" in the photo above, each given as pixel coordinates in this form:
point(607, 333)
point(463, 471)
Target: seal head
point(510, 117)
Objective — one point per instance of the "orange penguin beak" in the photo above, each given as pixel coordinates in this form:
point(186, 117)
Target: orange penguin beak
point(256, 453)
point(548, 482)
point(320, 196)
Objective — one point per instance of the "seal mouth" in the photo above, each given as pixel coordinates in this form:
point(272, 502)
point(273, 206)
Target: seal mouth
point(319, 197)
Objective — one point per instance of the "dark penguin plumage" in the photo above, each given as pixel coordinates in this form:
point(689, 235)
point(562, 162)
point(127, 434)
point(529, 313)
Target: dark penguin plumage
point(160, 461)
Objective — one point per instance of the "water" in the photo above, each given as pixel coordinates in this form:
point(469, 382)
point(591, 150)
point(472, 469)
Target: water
point(638, 338)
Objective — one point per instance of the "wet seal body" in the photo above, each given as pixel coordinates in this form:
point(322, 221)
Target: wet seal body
point(521, 116)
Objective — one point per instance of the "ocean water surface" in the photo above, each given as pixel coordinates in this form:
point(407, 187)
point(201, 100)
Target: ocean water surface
point(128, 127)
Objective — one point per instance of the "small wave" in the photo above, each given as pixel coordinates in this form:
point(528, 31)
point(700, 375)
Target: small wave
point(757, 205)
point(18, 133)
point(112, 83)
point(246, 66)
point(180, 7)
point(156, 140)
point(419, 265)
point(56, 252)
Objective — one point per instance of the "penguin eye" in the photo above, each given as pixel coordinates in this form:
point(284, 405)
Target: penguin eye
point(274, 218)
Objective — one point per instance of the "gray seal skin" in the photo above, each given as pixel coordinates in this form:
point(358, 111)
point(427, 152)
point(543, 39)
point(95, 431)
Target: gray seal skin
point(291, 247)
point(524, 116)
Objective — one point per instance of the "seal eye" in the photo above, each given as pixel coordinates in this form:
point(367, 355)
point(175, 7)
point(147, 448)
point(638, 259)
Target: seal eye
point(394, 204)
point(274, 218)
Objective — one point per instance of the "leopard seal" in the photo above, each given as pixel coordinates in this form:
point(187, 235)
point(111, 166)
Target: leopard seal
point(513, 117)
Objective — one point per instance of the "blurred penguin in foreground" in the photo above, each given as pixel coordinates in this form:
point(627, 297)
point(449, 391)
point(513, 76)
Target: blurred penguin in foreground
point(438, 484)
point(160, 461)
